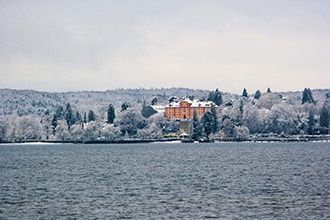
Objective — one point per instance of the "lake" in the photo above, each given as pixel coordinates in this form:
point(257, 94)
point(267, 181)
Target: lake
point(165, 180)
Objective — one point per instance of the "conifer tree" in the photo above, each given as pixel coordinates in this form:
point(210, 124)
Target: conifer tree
point(268, 90)
point(307, 96)
point(216, 97)
point(311, 123)
point(144, 104)
point(111, 114)
point(196, 127)
point(257, 94)
point(245, 94)
point(91, 116)
point(215, 124)
point(59, 115)
point(69, 117)
point(85, 117)
point(207, 122)
point(78, 117)
point(324, 117)
point(154, 101)
point(211, 96)
point(125, 106)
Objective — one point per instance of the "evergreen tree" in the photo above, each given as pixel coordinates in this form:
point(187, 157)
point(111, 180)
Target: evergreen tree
point(154, 101)
point(85, 117)
point(240, 116)
point(268, 90)
point(307, 96)
point(207, 122)
point(211, 96)
point(311, 123)
point(69, 116)
point(144, 104)
point(59, 115)
point(46, 123)
point(172, 99)
point(197, 128)
point(324, 118)
point(78, 117)
point(215, 124)
point(215, 96)
point(257, 94)
point(111, 114)
point(47, 112)
point(91, 116)
point(125, 106)
point(327, 95)
point(245, 94)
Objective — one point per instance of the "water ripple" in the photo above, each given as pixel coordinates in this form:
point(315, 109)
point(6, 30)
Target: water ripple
point(189, 181)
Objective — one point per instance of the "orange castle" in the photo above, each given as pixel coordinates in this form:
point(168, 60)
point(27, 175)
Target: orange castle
point(185, 109)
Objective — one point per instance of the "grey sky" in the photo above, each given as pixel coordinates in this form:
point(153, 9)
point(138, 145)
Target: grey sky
point(98, 45)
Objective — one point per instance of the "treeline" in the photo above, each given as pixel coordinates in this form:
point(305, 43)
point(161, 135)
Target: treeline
point(66, 124)
point(239, 117)
point(264, 114)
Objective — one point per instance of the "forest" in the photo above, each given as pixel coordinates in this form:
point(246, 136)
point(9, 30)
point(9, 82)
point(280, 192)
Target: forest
point(124, 114)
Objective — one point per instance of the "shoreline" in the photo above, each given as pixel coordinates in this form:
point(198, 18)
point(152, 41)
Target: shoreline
point(315, 138)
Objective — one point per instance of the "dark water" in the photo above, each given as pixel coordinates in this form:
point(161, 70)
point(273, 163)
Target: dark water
point(141, 181)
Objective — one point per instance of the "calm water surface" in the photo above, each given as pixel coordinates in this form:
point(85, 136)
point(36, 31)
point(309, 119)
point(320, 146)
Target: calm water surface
point(141, 181)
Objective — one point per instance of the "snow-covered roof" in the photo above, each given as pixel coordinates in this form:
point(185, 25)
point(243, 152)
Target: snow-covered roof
point(194, 103)
point(197, 103)
point(158, 108)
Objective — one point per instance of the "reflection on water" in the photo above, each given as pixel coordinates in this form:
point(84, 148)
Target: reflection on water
point(220, 180)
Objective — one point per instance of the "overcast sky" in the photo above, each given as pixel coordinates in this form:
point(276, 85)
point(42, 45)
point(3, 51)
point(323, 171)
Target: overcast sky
point(65, 45)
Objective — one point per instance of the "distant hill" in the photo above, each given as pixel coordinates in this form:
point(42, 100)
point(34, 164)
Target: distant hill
point(26, 102)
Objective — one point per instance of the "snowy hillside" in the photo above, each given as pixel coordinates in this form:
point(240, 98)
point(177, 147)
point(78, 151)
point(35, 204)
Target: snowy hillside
point(29, 102)
point(26, 102)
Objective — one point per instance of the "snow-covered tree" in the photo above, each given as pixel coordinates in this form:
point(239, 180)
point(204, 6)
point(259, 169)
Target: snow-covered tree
point(110, 132)
point(152, 131)
point(92, 131)
point(268, 100)
point(76, 132)
point(27, 128)
point(130, 121)
point(283, 119)
point(61, 131)
point(227, 127)
point(241, 132)
point(3, 129)
point(252, 119)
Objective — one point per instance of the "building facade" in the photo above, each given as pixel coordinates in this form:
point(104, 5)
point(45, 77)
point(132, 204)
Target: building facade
point(185, 109)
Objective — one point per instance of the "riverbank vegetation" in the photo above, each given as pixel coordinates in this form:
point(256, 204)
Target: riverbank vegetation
point(35, 116)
